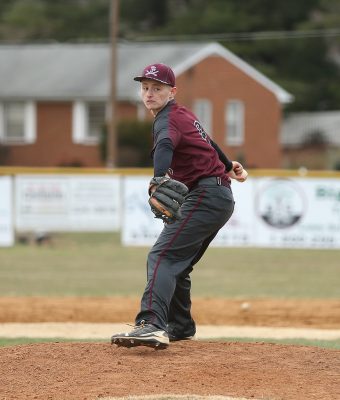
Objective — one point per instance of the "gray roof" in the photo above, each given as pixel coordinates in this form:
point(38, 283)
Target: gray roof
point(297, 128)
point(69, 71)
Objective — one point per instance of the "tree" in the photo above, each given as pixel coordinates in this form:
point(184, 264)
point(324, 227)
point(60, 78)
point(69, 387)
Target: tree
point(59, 20)
point(309, 68)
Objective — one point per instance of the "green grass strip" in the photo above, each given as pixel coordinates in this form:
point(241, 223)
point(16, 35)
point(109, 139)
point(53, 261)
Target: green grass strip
point(96, 264)
point(327, 344)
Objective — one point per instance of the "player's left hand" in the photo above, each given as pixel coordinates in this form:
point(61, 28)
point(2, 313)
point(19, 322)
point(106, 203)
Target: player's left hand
point(238, 172)
point(166, 197)
point(237, 167)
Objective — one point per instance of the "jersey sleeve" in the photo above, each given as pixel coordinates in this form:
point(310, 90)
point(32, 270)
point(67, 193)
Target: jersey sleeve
point(228, 164)
point(169, 132)
point(162, 156)
point(166, 138)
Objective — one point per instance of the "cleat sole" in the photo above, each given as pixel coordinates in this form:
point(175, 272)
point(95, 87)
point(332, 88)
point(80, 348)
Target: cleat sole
point(128, 342)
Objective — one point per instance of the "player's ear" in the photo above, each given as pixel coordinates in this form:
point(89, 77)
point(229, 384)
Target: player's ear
point(173, 92)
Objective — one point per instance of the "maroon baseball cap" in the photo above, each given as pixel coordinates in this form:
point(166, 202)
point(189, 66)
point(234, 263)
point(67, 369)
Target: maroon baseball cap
point(158, 72)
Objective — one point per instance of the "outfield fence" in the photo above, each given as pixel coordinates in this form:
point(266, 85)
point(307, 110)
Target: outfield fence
point(274, 208)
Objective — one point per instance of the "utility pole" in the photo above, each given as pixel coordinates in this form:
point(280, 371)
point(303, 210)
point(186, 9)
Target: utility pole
point(111, 143)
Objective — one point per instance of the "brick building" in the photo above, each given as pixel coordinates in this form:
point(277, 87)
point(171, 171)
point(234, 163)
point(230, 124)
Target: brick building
point(54, 100)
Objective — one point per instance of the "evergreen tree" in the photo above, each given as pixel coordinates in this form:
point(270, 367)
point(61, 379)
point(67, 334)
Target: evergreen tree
point(309, 68)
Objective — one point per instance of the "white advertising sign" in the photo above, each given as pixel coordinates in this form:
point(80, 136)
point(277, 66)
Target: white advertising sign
point(67, 203)
point(269, 212)
point(300, 213)
point(238, 230)
point(139, 227)
point(6, 212)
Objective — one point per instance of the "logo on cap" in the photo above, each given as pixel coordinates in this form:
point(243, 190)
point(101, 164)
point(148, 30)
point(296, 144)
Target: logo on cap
point(158, 72)
point(152, 71)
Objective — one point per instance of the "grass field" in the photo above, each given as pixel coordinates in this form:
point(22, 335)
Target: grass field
point(327, 344)
point(95, 264)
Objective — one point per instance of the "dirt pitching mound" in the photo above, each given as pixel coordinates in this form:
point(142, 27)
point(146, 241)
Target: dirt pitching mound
point(74, 371)
point(173, 397)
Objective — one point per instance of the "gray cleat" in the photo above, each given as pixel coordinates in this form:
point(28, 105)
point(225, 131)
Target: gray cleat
point(142, 335)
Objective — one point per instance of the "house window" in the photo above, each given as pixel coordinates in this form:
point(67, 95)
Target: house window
point(96, 119)
point(88, 120)
point(203, 110)
point(14, 121)
point(17, 122)
point(234, 122)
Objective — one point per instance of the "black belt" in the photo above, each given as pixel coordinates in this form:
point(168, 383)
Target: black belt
point(213, 180)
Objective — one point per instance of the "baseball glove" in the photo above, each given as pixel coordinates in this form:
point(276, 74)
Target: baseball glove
point(166, 197)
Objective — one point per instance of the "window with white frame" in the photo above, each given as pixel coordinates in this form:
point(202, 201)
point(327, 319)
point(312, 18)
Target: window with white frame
point(234, 122)
point(202, 108)
point(88, 121)
point(96, 119)
point(17, 122)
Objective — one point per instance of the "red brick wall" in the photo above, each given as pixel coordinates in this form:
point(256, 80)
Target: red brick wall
point(54, 146)
point(126, 110)
point(216, 78)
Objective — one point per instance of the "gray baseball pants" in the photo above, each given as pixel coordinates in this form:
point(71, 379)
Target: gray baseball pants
point(166, 302)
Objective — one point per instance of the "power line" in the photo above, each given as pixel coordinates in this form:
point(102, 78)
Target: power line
point(239, 36)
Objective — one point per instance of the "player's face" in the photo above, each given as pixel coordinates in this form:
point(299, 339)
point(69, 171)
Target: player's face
point(155, 95)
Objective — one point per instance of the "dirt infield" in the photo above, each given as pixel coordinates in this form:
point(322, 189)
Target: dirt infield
point(89, 371)
point(207, 311)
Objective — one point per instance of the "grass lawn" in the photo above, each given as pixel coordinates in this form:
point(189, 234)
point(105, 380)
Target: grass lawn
point(95, 264)
point(327, 344)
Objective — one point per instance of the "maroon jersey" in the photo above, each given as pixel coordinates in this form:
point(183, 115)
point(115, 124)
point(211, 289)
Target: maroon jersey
point(193, 156)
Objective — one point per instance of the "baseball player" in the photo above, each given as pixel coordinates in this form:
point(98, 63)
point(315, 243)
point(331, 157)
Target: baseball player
point(192, 173)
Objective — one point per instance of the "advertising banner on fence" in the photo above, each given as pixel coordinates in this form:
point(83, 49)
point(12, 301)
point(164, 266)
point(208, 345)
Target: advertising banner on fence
point(239, 229)
point(67, 203)
point(6, 212)
point(139, 227)
point(302, 213)
point(269, 212)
